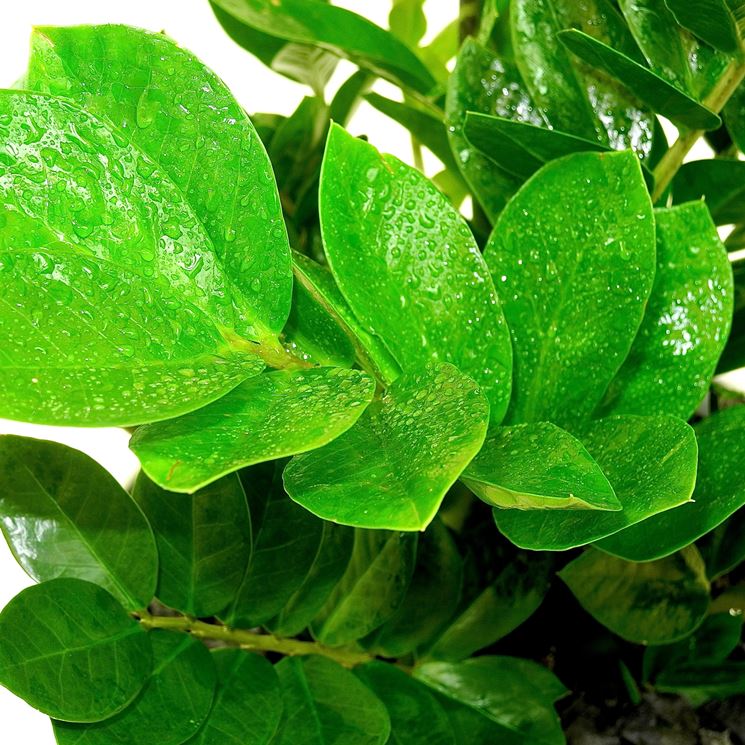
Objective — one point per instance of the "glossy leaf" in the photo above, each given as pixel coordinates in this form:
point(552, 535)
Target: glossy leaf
point(372, 589)
point(57, 643)
point(686, 322)
point(335, 30)
point(651, 89)
point(569, 343)
point(409, 267)
point(153, 322)
point(394, 467)
point(325, 704)
point(174, 702)
point(720, 182)
point(713, 21)
point(63, 515)
point(416, 717)
point(655, 602)
point(649, 461)
point(248, 702)
point(724, 547)
point(734, 352)
point(271, 416)
point(720, 491)
point(166, 102)
point(204, 541)
point(538, 466)
point(515, 694)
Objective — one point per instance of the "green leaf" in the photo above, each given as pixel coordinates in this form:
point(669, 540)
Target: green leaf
point(686, 322)
point(174, 702)
point(734, 117)
point(407, 21)
point(335, 30)
point(702, 681)
point(648, 87)
point(325, 704)
point(724, 547)
point(153, 321)
point(167, 103)
point(248, 701)
point(270, 416)
point(286, 541)
point(203, 542)
point(416, 717)
point(435, 585)
point(394, 467)
point(477, 75)
point(57, 643)
point(655, 602)
point(329, 564)
point(714, 21)
point(372, 588)
point(720, 491)
point(515, 694)
point(538, 466)
point(734, 352)
point(720, 182)
point(568, 344)
point(382, 224)
point(649, 461)
point(65, 516)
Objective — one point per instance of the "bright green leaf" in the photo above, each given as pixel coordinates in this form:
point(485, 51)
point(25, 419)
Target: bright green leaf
point(407, 21)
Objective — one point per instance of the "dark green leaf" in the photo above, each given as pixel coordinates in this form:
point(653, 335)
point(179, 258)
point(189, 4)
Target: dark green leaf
point(569, 343)
point(270, 416)
point(513, 693)
point(724, 547)
point(701, 681)
point(686, 322)
point(734, 117)
point(394, 467)
point(538, 466)
point(326, 705)
point(655, 602)
point(711, 20)
point(58, 641)
point(409, 267)
point(720, 182)
point(336, 30)
point(65, 516)
point(248, 702)
point(651, 465)
point(720, 491)
point(372, 588)
point(734, 352)
point(204, 540)
point(174, 702)
point(416, 717)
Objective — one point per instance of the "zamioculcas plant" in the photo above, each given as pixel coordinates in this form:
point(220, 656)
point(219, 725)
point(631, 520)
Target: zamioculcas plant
point(407, 476)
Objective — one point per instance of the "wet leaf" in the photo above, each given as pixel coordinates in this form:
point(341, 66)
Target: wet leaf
point(58, 637)
point(271, 416)
point(714, 21)
point(720, 182)
point(394, 467)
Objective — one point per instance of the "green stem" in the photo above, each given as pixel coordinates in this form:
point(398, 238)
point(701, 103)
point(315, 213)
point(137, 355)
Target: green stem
point(251, 640)
point(715, 101)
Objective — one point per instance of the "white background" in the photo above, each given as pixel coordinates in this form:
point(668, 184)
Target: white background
point(191, 24)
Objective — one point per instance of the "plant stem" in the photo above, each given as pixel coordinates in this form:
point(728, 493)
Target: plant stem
point(251, 640)
point(715, 101)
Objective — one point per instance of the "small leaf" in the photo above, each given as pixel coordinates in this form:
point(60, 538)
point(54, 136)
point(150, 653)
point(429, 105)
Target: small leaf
point(382, 223)
point(720, 182)
point(649, 461)
point(714, 21)
point(656, 602)
point(57, 643)
point(733, 356)
point(174, 702)
point(724, 547)
point(704, 680)
point(686, 322)
point(270, 416)
point(63, 515)
point(538, 466)
point(416, 717)
point(720, 491)
point(248, 703)
point(325, 704)
point(203, 540)
point(394, 467)
point(515, 694)
point(568, 344)
point(372, 588)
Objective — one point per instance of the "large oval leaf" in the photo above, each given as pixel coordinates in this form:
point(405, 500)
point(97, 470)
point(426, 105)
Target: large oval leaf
point(394, 467)
point(63, 515)
point(57, 643)
point(574, 274)
point(270, 416)
point(409, 267)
